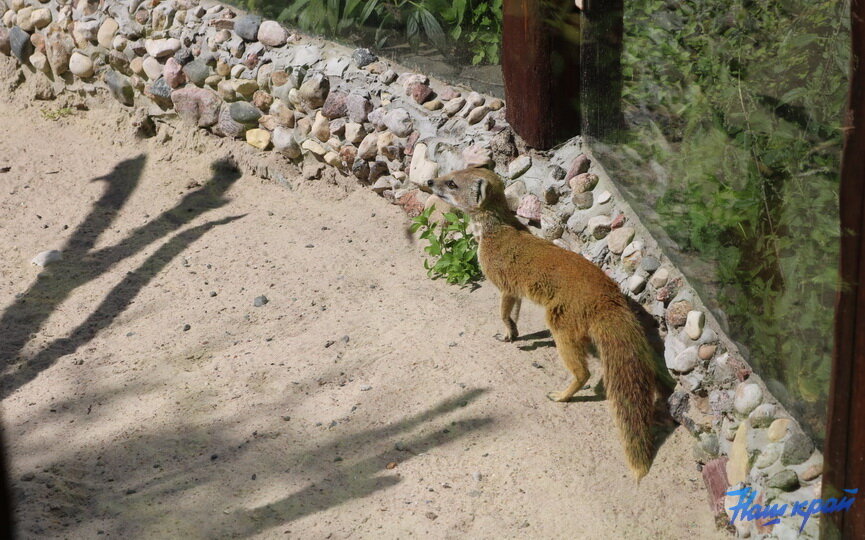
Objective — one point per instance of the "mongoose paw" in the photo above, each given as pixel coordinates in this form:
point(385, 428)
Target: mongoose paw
point(505, 339)
point(558, 397)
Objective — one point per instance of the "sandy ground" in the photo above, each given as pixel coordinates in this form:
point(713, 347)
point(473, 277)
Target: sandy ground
point(144, 396)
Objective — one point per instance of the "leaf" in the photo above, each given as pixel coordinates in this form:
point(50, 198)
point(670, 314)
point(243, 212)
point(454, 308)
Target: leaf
point(432, 28)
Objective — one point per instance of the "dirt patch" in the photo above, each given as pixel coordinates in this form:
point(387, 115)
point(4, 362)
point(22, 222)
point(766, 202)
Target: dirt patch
point(145, 396)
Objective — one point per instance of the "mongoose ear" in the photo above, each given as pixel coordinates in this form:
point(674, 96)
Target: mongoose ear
point(481, 190)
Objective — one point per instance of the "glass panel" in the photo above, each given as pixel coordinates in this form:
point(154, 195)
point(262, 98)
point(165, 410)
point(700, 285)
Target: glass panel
point(732, 113)
point(457, 41)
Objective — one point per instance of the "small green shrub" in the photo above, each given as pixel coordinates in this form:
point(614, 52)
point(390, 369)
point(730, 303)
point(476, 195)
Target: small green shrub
point(453, 250)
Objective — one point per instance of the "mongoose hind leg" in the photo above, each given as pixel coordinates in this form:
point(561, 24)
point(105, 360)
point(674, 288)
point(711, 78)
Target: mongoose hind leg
point(510, 312)
point(573, 354)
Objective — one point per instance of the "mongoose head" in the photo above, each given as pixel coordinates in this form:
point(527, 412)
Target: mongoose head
point(470, 190)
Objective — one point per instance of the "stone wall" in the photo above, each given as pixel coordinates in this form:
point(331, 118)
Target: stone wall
point(311, 106)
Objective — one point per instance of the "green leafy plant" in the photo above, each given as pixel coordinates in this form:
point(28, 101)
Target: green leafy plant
point(453, 250)
point(469, 27)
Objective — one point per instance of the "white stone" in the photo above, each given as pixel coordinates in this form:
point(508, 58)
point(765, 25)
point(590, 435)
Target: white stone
point(660, 277)
point(685, 361)
point(284, 142)
point(636, 283)
point(47, 257)
point(160, 48)
point(105, 36)
point(152, 68)
point(604, 197)
point(421, 168)
point(748, 396)
point(80, 65)
point(272, 34)
point(694, 324)
point(40, 62)
point(313, 146)
point(514, 193)
point(519, 166)
point(40, 18)
point(354, 132)
point(598, 226)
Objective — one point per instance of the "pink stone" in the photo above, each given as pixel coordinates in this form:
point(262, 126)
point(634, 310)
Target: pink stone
point(173, 73)
point(419, 91)
point(579, 166)
point(530, 207)
point(477, 156)
point(199, 106)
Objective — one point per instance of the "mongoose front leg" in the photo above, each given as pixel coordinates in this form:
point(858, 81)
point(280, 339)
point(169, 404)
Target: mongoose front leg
point(573, 354)
point(510, 312)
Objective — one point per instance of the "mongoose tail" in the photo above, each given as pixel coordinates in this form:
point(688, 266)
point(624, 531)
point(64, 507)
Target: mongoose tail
point(629, 379)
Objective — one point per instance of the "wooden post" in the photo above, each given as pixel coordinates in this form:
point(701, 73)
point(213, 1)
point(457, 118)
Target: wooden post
point(844, 451)
point(541, 67)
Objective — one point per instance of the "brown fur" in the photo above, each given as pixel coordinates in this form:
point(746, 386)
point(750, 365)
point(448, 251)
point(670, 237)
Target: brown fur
point(583, 306)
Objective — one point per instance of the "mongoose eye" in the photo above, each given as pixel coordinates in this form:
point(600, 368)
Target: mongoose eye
point(451, 184)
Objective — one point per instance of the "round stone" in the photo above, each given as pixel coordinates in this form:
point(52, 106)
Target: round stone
point(81, 65)
point(748, 396)
point(272, 34)
point(778, 429)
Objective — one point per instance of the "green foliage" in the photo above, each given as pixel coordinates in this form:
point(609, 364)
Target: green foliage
point(452, 27)
point(453, 250)
point(741, 103)
point(57, 114)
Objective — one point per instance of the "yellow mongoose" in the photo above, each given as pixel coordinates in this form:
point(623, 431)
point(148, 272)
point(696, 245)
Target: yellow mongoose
point(583, 305)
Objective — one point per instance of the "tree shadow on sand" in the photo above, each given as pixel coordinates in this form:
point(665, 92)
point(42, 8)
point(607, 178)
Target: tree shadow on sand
point(366, 475)
point(81, 264)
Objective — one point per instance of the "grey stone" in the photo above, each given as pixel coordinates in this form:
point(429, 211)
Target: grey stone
point(284, 142)
point(650, 264)
point(763, 415)
point(260, 301)
point(399, 122)
point(19, 44)
point(197, 72)
point(314, 90)
point(247, 27)
point(336, 66)
point(120, 87)
point(797, 449)
point(388, 76)
point(183, 56)
point(358, 108)
point(159, 91)
point(244, 113)
point(308, 55)
point(768, 455)
point(785, 480)
point(226, 126)
point(684, 361)
point(363, 57)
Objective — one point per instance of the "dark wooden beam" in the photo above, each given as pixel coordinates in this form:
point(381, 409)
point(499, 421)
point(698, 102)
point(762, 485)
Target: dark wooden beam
point(844, 451)
point(541, 68)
